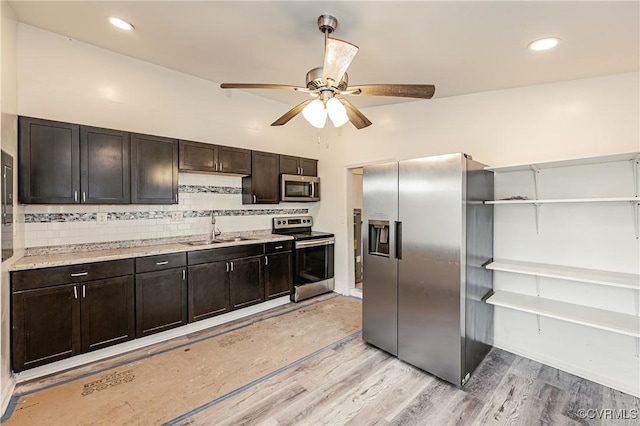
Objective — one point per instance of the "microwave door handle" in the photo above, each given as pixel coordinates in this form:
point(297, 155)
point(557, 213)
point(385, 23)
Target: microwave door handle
point(313, 190)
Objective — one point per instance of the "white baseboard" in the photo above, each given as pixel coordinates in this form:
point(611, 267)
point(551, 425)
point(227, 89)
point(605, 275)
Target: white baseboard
point(568, 367)
point(121, 348)
point(356, 292)
point(7, 393)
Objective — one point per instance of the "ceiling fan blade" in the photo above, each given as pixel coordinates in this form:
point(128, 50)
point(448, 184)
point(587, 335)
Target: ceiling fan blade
point(422, 91)
point(338, 55)
point(355, 116)
point(291, 113)
point(261, 86)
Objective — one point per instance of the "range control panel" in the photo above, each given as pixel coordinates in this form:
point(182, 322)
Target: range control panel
point(292, 222)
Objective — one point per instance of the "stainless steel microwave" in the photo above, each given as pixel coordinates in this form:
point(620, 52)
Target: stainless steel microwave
point(299, 188)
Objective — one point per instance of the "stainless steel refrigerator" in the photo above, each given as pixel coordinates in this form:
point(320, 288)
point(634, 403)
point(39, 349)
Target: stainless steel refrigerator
point(427, 235)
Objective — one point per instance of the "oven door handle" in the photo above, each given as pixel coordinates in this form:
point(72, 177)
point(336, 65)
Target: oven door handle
point(315, 243)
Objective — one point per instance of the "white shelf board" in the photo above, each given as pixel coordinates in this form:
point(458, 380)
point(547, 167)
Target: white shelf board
point(566, 163)
point(598, 318)
point(567, 200)
point(613, 279)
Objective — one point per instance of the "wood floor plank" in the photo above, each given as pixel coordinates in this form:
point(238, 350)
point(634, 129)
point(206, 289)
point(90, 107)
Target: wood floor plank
point(489, 373)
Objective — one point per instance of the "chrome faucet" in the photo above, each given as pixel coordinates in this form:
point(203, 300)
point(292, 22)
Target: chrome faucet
point(215, 232)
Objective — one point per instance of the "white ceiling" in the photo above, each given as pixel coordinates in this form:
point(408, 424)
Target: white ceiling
point(461, 47)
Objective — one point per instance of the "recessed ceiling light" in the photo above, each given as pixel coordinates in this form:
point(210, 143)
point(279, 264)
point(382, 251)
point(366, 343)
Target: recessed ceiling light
point(544, 43)
point(121, 23)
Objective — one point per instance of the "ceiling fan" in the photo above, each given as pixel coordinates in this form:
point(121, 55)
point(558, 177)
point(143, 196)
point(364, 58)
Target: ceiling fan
point(328, 85)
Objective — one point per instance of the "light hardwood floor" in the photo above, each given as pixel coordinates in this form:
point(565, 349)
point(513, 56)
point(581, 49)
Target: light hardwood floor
point(354, 383)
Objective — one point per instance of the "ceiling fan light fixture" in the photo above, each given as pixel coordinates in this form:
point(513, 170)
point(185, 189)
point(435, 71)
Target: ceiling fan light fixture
point(544, 44)
point(337, 112)
point(315, 113)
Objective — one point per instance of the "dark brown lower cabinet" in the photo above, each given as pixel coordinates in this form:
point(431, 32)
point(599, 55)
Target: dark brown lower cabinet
point(246, 286)
point(107, 312)
point(278, 275)
point(208, 286)
point(161, 301)
point(46, 325)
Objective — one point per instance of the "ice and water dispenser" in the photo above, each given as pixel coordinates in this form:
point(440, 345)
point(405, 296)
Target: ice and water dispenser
point(379, 237)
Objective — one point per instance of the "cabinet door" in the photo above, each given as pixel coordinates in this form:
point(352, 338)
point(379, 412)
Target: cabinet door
point(262, 187)
point(289, 165)
point(234, 160)
point(104, 166)
point(46, 326)
point(161, 301)
point(49, 161)
point(208, 286)
point(246, 286)
point(198, 156)
point(278, 275)
point(107, 312)
point(154, 170)
point(309, 167)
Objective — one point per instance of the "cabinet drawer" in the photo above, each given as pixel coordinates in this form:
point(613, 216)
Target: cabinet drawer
point(160, 262)
point(47, 277)
point(278, 247)
point(224, 253)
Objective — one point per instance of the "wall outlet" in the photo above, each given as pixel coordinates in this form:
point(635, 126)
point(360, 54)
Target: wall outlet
point(176, 216)
point(101, 217)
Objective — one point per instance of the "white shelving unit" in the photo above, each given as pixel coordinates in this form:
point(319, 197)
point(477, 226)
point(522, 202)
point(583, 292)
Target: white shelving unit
point(577, 314)
point(593, 276)
point(632, 157)
point(616, 322)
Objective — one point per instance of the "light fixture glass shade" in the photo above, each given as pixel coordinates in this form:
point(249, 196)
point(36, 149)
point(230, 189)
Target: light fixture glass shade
point(315, 113)
point(337, 112)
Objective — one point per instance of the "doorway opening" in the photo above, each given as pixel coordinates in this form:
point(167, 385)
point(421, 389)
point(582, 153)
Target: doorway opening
point(357, 227)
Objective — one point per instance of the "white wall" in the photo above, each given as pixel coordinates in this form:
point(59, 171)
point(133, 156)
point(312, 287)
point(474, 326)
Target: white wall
point(572, 119)
point(8, 132)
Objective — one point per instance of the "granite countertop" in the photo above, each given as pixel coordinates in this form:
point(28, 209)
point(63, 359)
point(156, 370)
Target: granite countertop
point(114, 253)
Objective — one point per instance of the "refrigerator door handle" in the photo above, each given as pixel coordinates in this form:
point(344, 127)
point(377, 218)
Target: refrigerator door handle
point(398, 226)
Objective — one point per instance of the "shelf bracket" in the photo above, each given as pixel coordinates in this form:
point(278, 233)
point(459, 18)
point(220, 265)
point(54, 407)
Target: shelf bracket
point(537, 285)
point(637, 347)
point(635, 207)
point(636, 302)
point(538, 207)
point(536, 172)
point(538, 322)
point(635, 164)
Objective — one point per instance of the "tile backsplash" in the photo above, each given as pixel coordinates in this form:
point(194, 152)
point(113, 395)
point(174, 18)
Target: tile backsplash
point(199, 196)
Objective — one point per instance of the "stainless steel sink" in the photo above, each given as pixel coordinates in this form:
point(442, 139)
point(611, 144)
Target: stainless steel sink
point(203, 243)
point(217, 241)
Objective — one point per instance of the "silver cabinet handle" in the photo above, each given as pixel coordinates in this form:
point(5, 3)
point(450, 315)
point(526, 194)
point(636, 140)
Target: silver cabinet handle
point(164, 262)
point(79, 274)
point(75, 291)
point(75, 196)
point(221, 166)
point(84, 291)
point(215, 166)
point(184, 275)
point(278, 247)
point(302, 170)
point(231, 266)
point(254, 198)
point(84, 196)
point(266, 260)
point(227, 266)
point(176, 198)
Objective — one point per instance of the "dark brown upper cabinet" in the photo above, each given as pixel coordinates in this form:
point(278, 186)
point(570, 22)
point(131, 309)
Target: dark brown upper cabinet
point(262, 187)
point(204, 157)
point(105, 176)
point(69, 163)
point(49, 161)
point(298, 166)
point(154, 170)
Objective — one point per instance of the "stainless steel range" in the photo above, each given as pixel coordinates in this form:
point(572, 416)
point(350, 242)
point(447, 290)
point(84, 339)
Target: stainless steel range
point(313, 256)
